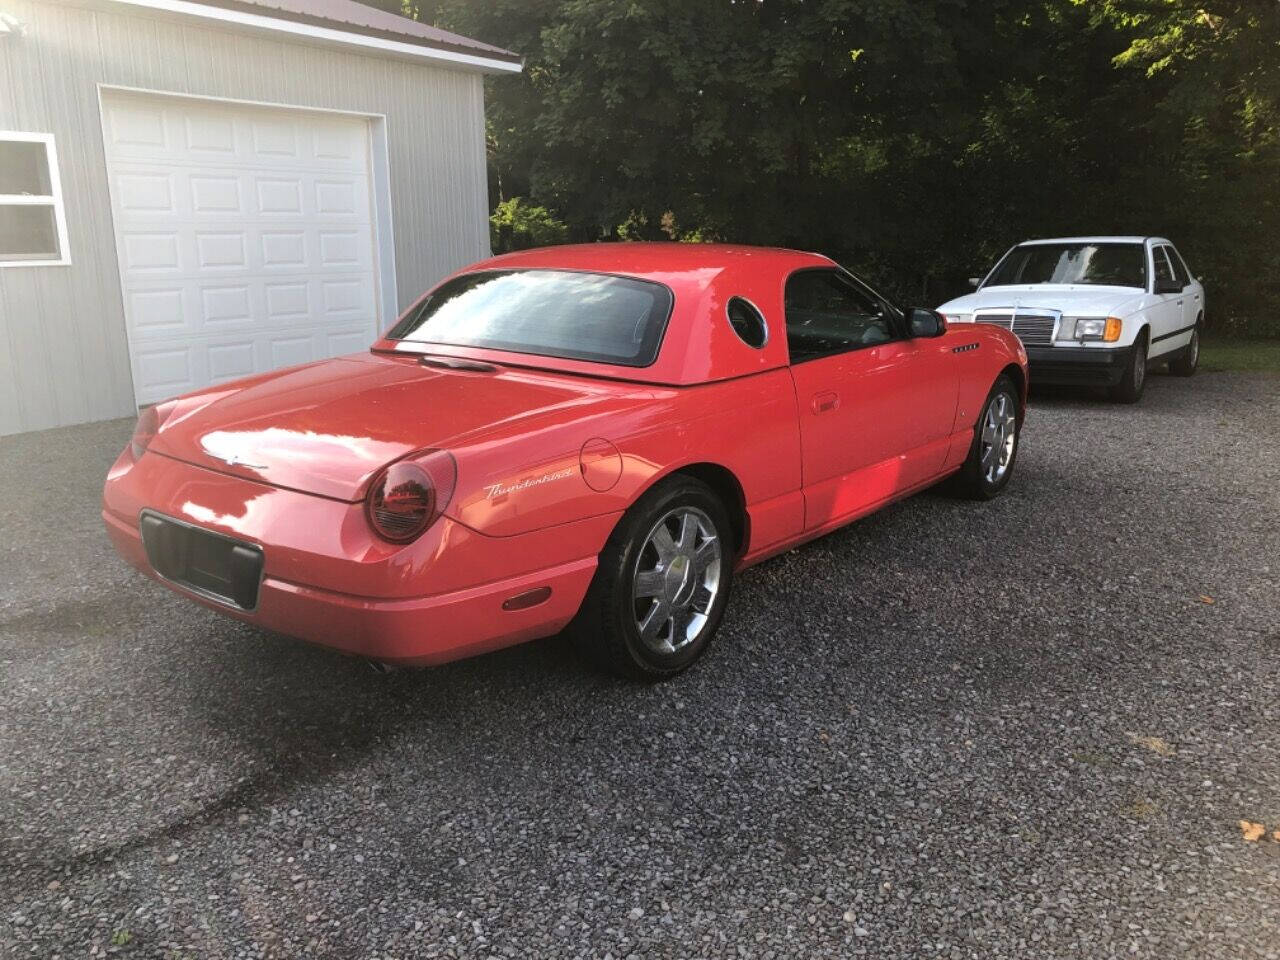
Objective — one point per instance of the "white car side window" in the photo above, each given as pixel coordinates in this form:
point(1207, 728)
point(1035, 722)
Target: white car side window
point(1179, 264)
point(1164, 272)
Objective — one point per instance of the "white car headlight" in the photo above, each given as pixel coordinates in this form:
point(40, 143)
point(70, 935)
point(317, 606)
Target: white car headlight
point(1106, 329)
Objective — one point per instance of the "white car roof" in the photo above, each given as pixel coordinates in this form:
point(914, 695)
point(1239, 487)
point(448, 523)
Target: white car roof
point(1095, 240)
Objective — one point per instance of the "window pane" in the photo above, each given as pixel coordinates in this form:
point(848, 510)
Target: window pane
point(1163, 272)
point(747, 322)
point(24, 169)
point(1179, 263)
point(28, 232)
point(550, 313)
point(1108, 264)
point(828, 314)
point(1173, 264)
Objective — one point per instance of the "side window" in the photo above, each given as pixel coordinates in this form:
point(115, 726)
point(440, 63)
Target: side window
point(747, 322)
point(1164, 272)
point(1179, 264)
point(1178, 274)
point(33, 224)
point(829, 313)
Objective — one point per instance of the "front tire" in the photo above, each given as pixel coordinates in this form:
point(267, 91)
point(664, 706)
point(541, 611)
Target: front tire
point(1185, 363)
point(1134, 381)
point(662, 585)
point(987, 469)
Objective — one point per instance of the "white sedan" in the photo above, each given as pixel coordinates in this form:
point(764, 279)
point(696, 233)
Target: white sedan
point(1093, 310)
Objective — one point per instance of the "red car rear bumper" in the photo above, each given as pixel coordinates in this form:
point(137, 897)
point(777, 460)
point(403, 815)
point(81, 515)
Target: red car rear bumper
point(418, 628)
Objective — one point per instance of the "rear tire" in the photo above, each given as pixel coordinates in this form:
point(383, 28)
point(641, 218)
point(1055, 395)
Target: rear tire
point(987, 469)
point(1134, 381)
point(662, 585)
point(1186, 362)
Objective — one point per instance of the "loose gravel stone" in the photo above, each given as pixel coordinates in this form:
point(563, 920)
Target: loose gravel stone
point(1002, 730)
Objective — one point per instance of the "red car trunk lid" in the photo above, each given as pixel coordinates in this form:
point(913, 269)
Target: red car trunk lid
point(328, 427)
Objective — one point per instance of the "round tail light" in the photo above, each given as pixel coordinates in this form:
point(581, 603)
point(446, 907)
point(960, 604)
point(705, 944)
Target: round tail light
point(146, 430)
point(409, 495)
point(401, 502)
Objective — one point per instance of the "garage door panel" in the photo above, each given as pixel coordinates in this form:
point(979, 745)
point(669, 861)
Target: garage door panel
point(230, 361)
point(231, 305)
point(288, 351)
point(148, 192)
point(245, 237)
point(214, 194)
point(137, 128)
point(285, 250)
point(344, 342)
point(165, 370)
point(186, 130)
point(345, 198)
point(338, 142)
point(220, 250)
point(205, 193)
point(275, 138)
point(344, 299)
point(150, 252)
point(209, 131)
point(159, 313)
point(288, 301)
point(279, 196)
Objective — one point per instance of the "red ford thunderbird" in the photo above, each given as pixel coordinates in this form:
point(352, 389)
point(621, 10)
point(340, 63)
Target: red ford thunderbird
point(593, 438)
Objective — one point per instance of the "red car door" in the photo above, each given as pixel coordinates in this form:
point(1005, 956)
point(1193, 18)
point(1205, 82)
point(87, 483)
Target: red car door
point(876, 409)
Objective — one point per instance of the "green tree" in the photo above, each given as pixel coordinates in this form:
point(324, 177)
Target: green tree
point(914, 141)
point(517, 224)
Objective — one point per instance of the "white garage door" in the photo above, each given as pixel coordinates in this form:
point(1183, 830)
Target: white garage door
point(245, 237)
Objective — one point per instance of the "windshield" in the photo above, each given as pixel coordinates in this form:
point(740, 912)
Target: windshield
point(1106, 264)
point(549, 313)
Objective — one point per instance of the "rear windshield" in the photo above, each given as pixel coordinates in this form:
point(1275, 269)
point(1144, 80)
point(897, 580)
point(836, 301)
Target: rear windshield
point(548, 313)
point(1104, 264)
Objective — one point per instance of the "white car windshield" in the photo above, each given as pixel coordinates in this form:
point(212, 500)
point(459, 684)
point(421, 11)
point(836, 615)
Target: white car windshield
point(1101, 264)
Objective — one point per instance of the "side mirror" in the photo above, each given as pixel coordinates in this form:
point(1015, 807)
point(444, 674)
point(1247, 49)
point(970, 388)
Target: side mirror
point(975, 282)
point(1167, 286)
point(922, 322)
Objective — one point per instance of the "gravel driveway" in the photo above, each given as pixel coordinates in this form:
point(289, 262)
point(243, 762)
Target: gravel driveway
point(952, 730)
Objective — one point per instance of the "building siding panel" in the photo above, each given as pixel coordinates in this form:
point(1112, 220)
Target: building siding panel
point(64, 354)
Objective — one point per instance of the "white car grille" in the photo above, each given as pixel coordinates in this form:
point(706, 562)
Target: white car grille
point(1033, 328)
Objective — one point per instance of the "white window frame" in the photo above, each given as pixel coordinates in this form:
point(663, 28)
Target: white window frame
point(53, 200)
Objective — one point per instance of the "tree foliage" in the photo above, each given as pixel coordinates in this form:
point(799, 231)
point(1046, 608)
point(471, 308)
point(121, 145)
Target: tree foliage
point(913, 140)
point(517, 224)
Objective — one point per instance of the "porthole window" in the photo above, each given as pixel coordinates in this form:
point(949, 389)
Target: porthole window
point(747, 322)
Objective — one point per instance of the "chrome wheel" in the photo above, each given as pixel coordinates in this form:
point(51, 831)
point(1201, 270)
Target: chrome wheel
point(1193, 352)
point(1139, 366)
point(676, 580)
point(998, 438)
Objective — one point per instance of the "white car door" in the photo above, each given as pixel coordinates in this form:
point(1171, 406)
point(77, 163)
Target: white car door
point(1192, 293)
point(1165, 313)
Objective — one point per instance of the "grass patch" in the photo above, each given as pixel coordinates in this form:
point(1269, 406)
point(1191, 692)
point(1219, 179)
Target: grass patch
point(1255, 355)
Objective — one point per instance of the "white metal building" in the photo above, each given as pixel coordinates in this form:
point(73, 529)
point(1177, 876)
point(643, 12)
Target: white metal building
point(192, 192)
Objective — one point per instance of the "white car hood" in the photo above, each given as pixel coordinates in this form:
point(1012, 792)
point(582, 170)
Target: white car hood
point(1072, 300)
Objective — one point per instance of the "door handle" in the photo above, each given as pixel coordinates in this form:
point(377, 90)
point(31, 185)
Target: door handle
point(1179, 303)
point(825, 402)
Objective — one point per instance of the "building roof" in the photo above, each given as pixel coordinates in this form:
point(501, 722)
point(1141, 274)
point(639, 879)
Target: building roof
point(360, 17)
point(347, 21)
